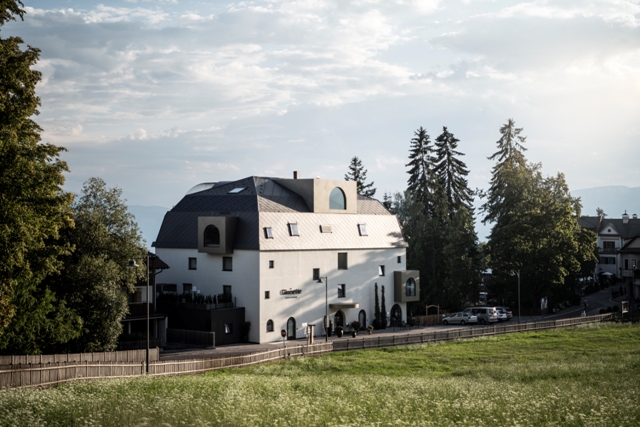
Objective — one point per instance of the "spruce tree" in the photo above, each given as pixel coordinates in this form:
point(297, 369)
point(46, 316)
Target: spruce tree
point(421, 177)
point(451, 172)
point(358, 173)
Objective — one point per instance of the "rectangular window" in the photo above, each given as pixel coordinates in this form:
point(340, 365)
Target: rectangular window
point(187, 288)
point(268, 233)
point(399, 260)
point(325, 229)
point(342, 291)
point(362, 229)
point(342, 261)
point(381, 270)
point(271, 263)
point(267, 294)
point(227, 263)
point(226, 290)
point(228, 328)
point(609, 245)
point(193, 263)
point(293, 229)
point(626, 264)
point(316, 274)
point(634, 263)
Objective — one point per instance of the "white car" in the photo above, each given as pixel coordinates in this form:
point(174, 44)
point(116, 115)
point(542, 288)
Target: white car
point(502, 316)
point(460, 318)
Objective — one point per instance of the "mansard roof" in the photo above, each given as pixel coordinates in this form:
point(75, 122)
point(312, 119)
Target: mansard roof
point(259, 202)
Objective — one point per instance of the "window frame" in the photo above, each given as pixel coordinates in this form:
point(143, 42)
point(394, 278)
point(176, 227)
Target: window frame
point(270, 327)
point(267, 294)
point(225, 266)
point(294, 231)
point(343, 261)
point(381, 271)
point(268, 233)
point(342, 290)
point(316, 274)
point(193, 263)
point(362, 230)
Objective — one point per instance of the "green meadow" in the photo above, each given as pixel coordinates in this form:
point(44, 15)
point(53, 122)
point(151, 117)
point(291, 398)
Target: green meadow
point(586, 376)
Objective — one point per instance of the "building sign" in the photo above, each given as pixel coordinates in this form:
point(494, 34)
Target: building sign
point(291, 293)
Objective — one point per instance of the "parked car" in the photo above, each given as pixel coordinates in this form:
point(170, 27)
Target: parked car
point(502, 316)
point(507, 311)
point(460, 318)
point(485, 314)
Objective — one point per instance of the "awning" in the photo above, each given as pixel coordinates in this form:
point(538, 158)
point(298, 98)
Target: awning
point(345, 305)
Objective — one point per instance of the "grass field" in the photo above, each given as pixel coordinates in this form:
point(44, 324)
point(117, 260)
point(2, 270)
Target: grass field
point(586, 376)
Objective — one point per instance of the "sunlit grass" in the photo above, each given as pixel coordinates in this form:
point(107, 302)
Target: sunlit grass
point(578, 377)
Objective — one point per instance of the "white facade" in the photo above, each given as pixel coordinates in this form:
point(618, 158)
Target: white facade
point(272, 269)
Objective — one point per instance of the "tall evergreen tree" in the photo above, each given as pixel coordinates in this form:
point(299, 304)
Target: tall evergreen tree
point(451, 172)
point(358, 173)
point(421, 176)
point(34, 207)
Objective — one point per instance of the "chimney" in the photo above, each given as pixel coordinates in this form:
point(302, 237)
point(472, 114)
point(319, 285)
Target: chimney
point(295, 174)
point(625, 218)
point(635, 216)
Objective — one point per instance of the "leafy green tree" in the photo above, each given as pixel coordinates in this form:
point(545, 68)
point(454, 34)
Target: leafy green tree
point(535, 224)
point(34, 207)
point(358, 173)
point(451, 172)
point(96, 280)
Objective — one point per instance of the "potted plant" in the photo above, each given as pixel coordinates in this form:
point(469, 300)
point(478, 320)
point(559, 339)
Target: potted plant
point(339, 331)
point(356, 327)
point(370, 329)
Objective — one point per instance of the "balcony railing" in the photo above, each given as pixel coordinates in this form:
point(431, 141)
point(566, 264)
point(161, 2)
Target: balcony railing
point(608, 250)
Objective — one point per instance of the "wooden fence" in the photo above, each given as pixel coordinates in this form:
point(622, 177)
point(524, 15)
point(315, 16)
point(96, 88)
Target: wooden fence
point(42, 371)
point(461, 333)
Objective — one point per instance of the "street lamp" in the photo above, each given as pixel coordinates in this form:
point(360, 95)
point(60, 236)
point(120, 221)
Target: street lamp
point(326, 306)
point(518, 273)
point(133, 264)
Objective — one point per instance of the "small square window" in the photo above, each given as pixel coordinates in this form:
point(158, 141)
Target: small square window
point(316, 274)
point(342, 291)
point(399, 260)
point(193, 263)
point(381, 270)
point(228, 328)
point(342, 261)
point(325, 229)
point(227, 263)
point(293, 229)
point(362, 229)
point(267, 294)
point(268, 233)
point(271, 263)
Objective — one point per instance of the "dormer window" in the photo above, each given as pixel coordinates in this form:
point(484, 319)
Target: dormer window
point(211, 236)
point(293, 229)
point(268, 233)
point(337, 199)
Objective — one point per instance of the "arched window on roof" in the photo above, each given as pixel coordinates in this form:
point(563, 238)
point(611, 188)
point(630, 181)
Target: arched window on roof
point(337, 199)
point(211, 236)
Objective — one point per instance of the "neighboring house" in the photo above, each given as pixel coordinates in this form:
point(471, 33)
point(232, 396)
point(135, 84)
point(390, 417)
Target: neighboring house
point(618, 247)
point(136, 321)
point(271, 242)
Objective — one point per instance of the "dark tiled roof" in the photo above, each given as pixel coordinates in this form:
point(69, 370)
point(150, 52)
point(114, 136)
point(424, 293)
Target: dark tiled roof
point(627, 231)
point(260, 194)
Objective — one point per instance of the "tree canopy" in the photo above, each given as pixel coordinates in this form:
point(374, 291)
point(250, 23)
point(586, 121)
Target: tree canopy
point(34, 206)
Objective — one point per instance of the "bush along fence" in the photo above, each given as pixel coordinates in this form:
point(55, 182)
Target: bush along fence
point(32, 372)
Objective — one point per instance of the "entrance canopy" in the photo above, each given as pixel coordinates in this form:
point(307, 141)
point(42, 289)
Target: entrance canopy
point(345, 305)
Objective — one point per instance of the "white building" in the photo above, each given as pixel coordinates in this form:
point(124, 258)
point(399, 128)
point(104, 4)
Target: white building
point(288, 250)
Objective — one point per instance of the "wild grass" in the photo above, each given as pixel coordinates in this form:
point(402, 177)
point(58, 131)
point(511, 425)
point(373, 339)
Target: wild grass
point(587, 376)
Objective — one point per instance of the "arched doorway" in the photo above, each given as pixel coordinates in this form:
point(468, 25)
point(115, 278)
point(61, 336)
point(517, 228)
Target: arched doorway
point(362, 318)
point(338, 319)
point(396, 315)
point(291, 329)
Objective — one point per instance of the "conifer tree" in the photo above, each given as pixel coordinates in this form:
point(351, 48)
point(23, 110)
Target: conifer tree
point(358, 173)
point(451, 173)
point(421, 181)
point(377, 303)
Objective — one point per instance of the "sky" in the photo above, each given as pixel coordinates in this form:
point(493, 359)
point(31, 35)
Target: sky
point(156, 96)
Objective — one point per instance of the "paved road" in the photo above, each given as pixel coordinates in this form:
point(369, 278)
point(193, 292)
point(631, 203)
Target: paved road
point(595, 302)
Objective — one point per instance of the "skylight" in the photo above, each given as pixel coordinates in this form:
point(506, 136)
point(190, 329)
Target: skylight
point(236, 190)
